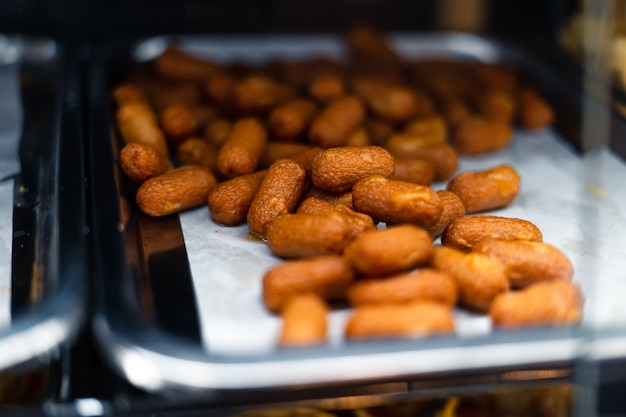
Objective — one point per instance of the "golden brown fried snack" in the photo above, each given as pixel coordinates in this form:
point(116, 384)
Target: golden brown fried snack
point(217, 131)
point(178, 122)
point(430, 128)
point(315, 205)
point(304, 321)
point(395, 103)
point(396, 202)
point(463, 233)
point(443, 157)
point(327, 276)
point(452, 209)
point(300, 235)
point(178, 65)
point(141, 162)
point(389, 251)
point(335, 199)
point(327, 86)
point(357, 222)
point(406, 145)
point(378, 131)
point(137, 123)
point(486, 190)
point(426, 284)
point(359, 137)
point(455, 111)
point(414, 170)
point(128, 93)
point(332, 126)
point(257, 93)
point(279, 193)
point(220, 90)
point(289, 121)
point(495, 76)
point(176, 190)
point(553, 303)
point(416, 319)
point(204, 114)
point(305, 158)
point(338, 169)
point(371, 53)
point(230, 200)
point(528, 262)
point(479, 278)
point(497, 105)
point(534, 112)
point(197, 151)
point(243, 149)
point(279, 150)
point(477, 136)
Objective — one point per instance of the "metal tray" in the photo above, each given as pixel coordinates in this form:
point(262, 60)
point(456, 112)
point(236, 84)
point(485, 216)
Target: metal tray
point(149, 322)
point(43, 160)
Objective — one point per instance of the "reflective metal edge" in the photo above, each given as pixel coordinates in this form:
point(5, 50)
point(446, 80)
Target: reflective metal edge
point(34, 336)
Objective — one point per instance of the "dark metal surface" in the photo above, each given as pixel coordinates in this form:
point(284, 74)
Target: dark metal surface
point(49, 258)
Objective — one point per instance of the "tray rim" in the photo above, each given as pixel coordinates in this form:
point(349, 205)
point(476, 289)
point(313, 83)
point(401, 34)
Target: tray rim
point(173, 365)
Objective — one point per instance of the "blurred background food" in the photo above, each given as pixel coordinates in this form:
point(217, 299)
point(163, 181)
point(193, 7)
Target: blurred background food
point(587, 29)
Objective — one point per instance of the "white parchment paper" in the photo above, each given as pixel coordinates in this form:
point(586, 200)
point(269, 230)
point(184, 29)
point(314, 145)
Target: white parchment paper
point(578, 203)
point(10, 125)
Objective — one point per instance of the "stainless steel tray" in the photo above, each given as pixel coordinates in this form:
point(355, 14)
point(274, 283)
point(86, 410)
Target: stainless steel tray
point(48, 263)
point(151, 322)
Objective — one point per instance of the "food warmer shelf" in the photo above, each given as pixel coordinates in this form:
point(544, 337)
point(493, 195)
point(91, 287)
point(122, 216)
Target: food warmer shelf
point(178, 344)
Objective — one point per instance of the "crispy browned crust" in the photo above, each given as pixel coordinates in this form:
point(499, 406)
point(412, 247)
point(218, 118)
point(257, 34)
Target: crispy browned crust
point(425, 284)
point(197, 151)
point(338, 169)
point(415, 170)
point(307, 235)
point(178, 122)
point(332, 126)
point(140, 162)
point(230, 200)
point(137, 123)
point(479, 278)
point(478, 135)
point(243, 149)
point(527, 262)
point(279, 193)
point(452, 209)
point(396, 202)
point(289, 121)
point(327, 276)
point(416, 319)
point(464, 232)
point(388, 251)
point(553, 303)
point(485, 190)
point(304, 321)
point(175, 191)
